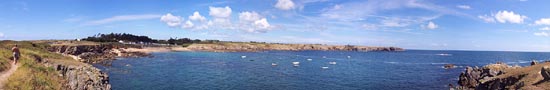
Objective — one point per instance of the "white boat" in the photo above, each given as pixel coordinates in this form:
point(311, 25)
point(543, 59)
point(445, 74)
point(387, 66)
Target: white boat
point(332, 63)
point(309, 59)
point(273, 64)
point(349, 56)
point(324, 56)
point(296, 63)
point(444, 54)
point(243, 56)
point(324, 67)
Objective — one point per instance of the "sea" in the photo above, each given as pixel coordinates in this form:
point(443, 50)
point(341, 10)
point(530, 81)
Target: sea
point(315, 70)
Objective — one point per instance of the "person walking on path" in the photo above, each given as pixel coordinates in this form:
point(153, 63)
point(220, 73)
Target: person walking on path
point(16, 53)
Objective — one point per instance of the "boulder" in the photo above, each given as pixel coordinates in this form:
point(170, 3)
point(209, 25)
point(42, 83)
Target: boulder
point(545, 72)
point(534, 62)
point(449, 66)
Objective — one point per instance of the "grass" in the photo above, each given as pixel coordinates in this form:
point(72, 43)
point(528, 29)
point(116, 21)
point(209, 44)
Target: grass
point(31, 75)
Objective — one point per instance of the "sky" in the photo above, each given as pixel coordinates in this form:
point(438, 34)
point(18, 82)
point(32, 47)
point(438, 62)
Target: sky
point(495, 25)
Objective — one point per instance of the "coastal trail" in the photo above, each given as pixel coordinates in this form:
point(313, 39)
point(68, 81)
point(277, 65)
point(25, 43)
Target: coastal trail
point(4, 75)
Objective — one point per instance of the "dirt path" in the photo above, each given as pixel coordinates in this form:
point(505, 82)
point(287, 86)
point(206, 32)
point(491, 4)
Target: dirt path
point(4, 75)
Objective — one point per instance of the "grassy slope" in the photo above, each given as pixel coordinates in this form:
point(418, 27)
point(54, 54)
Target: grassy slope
point(31, 75)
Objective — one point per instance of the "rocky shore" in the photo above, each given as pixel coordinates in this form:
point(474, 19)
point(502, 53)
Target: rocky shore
point(253, 47)
point(81, 76)
point(96, 53)
point(501, 76)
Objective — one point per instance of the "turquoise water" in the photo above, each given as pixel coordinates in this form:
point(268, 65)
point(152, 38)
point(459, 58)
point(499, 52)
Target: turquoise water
point(413, 69)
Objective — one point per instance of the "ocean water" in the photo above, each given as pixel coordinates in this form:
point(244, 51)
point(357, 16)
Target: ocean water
point(407, 70)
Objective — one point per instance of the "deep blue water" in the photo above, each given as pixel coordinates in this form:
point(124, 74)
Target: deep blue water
point(413, 69)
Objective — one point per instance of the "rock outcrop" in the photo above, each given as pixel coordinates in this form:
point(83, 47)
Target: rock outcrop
point(253, 47)
point(503, 77)
point(95, 53)
point(545, 72)
point(449, 66)
point(82, 76)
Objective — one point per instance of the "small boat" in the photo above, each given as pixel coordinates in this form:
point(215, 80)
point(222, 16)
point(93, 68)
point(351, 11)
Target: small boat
point(296, 63)
point(324, 56)
point(332, 63)
point(444, 54)
point(349, 56)
point(243, 56)
point(273, 64)
point(309, 59)
point(324, 67)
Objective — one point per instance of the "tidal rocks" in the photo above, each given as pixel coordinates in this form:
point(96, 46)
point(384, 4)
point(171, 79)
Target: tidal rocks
point(472, 77)
point(95, 53)
point(449, 66)
point(81, 76)
point(504, 77)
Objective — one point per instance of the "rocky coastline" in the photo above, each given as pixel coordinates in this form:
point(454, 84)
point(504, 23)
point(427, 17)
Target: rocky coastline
point(501, 76)
point(83, 76)
point(254, 47)
point(96, 53)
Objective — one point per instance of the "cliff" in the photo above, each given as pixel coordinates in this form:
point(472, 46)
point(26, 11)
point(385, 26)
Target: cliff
point(252, 47)
point(501, 76)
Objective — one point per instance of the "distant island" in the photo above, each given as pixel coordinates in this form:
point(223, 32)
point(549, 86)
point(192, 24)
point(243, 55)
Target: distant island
point(64, 64)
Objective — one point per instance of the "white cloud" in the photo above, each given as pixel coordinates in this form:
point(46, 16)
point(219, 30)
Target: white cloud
point(249, 16)
point(122, 18)
point(171, 20)
point(253, 22)
point(509, 17)
point(220, 12)
point(464, 7)
point(545, 29)
point(221, 16)
point(543, 21)
point(285, 4)
point(262, 24)
point(188, 24)
point(544, 34)
point(197, 17)
point(487, 18)
point(430, 25)
point(249, 21)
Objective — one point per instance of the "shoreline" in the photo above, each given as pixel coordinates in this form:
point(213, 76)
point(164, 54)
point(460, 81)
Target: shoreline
point(503, 76)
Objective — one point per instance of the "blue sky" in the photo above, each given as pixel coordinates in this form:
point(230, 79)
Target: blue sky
point(501, 25)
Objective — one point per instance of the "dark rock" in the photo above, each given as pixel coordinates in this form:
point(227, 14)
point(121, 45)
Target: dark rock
point(501, 83)
point(545, 72)
point(474, 77)
point(81, 76)
point(534, 62)
point(449, 66)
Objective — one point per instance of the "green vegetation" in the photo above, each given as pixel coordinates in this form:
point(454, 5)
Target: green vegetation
point(115, 37)
point(31, 74)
